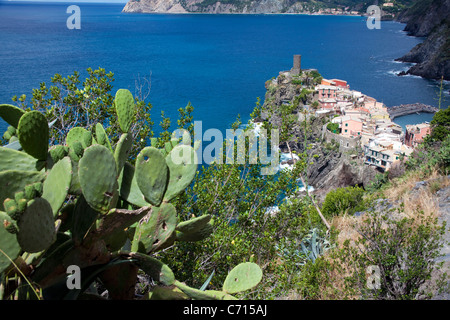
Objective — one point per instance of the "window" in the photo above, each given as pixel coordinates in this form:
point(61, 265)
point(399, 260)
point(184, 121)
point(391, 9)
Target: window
point(346, 130)
point(346, 124)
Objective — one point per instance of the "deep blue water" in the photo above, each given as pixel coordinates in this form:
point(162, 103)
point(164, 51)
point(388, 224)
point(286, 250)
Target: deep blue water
point(217, 62)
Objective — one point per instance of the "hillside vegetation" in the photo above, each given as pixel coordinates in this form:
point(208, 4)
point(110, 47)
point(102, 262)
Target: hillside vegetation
point(222, 232)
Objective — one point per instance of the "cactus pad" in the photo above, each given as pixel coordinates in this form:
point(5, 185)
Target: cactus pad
point(33, 134)
point(17, 160)
point(194, 224)
point(102, 137)
point(36, 226)
point(129, 190)
point(152, 174)
point(8, 244)
point(123, 149)
point(125, 109)
point(242, 277)
point(11, 114)
point(57, 184)
point(77, 134)
point(155, 229)
point(98, 177)
point(159, 271)
point(182, 163)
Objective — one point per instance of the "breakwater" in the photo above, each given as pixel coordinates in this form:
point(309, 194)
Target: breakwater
point(405, 109)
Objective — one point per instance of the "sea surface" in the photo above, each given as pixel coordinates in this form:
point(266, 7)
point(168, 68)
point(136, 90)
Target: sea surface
point(219, 63)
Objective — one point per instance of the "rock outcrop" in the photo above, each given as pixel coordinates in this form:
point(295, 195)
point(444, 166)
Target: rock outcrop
point(232, 6)
point(429, 19)
point(328, 167)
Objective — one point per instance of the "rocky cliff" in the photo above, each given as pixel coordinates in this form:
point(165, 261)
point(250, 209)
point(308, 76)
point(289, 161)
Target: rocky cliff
point(242, 6)
point(430, 19)
point(329, 167)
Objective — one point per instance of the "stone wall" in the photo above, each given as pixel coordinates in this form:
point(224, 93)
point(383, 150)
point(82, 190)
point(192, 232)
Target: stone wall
point(345, 143)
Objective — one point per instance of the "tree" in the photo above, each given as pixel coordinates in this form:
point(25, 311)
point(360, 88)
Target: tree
point(72, 102)
point(440, 125)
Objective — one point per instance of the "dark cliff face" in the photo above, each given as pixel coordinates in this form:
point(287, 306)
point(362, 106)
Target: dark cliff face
point(431, 19)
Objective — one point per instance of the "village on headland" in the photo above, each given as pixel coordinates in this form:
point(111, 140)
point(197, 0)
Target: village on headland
point(359, 123)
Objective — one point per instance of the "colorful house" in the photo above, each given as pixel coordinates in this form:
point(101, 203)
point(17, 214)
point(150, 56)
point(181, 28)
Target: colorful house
point(415, 133)
point(351, 126)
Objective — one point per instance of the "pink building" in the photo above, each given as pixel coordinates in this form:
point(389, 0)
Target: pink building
point(326, 92)
point(327, 103)
point(351, 126)
point(415, 133)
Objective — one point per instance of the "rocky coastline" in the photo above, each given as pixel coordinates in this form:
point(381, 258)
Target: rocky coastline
point(231, 7)
point(329, 167)
point(429, 19)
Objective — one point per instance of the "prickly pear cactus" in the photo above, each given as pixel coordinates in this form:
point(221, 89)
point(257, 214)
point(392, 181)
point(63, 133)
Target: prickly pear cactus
point(155, 229)
point(98, 177)
point(152, 174)
point(8, 243)
point(102, 137)
point(11, 114)
point(125, 109)
point(242, 277)
point(33, 134)
point(182, 163)
point(56, 185)
point(83, 203)
point(36, 226)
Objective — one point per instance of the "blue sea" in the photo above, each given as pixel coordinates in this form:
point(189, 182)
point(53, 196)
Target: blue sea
point(219, 63)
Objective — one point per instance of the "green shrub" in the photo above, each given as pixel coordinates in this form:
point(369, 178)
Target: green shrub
point(343, 200)
point(402, 251)
point(333, 127)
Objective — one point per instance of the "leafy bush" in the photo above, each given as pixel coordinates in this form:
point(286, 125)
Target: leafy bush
point(402, 250)
point(333, 127)
point(343, 200)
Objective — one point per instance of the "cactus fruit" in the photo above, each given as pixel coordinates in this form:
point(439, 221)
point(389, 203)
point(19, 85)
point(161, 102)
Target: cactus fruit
point(9, 246)
point(11, 114)
point(242, 277)
point(125, 109)
point(11, 209)
point(155, 229)
point(10, 226)
point(9, 133)
point(152, 174)
point(36, 226)
point(56, 185)
point(13, 181)
point(182, 163)
point(58, 152)
point(33, 134)
point(98, 177)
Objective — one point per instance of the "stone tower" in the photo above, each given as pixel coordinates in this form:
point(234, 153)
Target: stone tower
point(297, 65)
